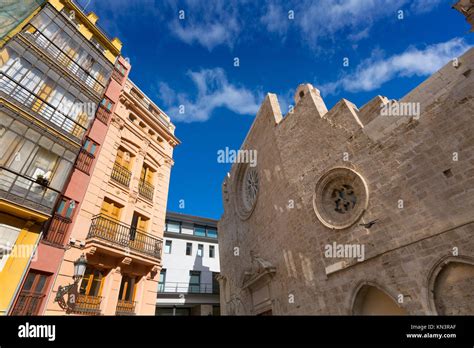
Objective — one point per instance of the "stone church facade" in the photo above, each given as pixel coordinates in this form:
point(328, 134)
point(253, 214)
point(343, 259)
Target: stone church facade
point(355, 211)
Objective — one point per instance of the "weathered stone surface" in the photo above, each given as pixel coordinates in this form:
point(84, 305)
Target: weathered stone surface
point(421, 197)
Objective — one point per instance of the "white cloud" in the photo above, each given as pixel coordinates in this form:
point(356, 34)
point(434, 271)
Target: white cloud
point(214, 91)
point(275, 19)
point(373, 72)
point(323, 19)
point(223, 22)
point(208, 24)
point(364, 33)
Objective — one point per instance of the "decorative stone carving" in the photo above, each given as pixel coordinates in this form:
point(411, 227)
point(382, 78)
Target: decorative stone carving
point(91, 251)
point(127, 260)
point(341, 198)
point(259, 270)
point(235, 306)
point(117, 122)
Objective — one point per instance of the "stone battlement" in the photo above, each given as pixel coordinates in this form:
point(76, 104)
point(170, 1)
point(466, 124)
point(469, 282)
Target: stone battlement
point(369, 118)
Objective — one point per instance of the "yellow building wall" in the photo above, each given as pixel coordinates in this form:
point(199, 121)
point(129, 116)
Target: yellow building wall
point(16, 267)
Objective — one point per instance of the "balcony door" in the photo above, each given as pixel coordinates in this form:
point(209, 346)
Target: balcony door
point(109, 226)
point(146, 175)
point(90, 291)
point(194, 281)
point(128, 288)
point(32, 294)
point(92, 282)
point(123, 158)
point(138, 227)
point(162, 281)
point(126, 301)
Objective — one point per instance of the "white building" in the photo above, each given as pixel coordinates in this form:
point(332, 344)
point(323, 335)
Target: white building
point(188, 284)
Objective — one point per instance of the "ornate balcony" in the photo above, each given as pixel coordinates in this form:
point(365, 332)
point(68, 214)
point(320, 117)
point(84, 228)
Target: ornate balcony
point(121, 175)
point(125, 236)
point(26, 191)
point(84, 161)
point(125, 307)
point(52, 115)
point(87, 305)
point(146, 190)
point(57, 230)
point(32, 34)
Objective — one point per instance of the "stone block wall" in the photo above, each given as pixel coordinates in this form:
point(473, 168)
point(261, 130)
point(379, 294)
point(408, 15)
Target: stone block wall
point(418, 174)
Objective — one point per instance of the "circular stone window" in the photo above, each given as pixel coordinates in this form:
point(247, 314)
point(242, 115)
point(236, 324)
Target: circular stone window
point(246, 190)
point(340, 198)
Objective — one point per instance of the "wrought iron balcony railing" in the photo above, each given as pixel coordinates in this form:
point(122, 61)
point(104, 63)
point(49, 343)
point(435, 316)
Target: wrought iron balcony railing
point(103, 114)
point(28, 303)
point(125, 236)
point(87, 305)
point(187, 288)
point(84, 161)
point(125, 307)
point(26, 191)
point(34, 35)
point(146, 190)
point(121, 174)
point(57, 230)
point(52, 115)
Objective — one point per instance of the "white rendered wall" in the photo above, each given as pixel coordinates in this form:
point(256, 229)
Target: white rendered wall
point(178, 264)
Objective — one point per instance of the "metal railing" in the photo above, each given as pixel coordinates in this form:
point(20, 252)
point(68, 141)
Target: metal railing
point(84, 161)
point(34, 35)
point(87, 305)
point(57, 230)
point(125, 236)
point(25, 98)
point(103, 114)
point(27, 191)
point(187, 288)
point(146, 190)
point(28, 303)
point(125, 307)
point(121, 174)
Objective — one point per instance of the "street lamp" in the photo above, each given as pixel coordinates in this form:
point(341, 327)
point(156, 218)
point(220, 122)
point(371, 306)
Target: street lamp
point(71, 290)
point(79, 268)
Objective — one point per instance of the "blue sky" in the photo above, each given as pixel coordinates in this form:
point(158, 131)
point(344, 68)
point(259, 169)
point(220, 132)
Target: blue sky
point(279, 44)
